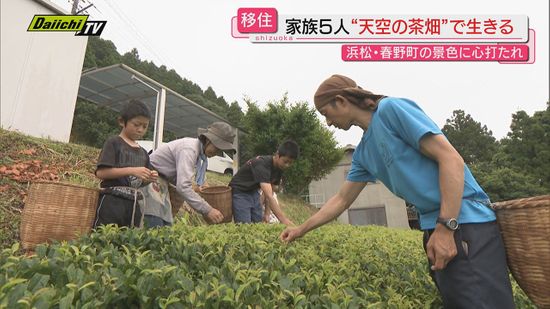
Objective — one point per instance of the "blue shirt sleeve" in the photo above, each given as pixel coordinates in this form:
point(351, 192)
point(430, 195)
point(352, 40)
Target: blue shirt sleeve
point(357, 172)
point(407, 119)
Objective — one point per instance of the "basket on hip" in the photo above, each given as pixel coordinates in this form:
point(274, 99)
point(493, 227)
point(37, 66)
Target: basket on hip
point(57, 211)
point(525, 228)
point(219, 197)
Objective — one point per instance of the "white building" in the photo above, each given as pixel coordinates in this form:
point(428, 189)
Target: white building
point(374, 205)
point(40, 72)
point(41, 77)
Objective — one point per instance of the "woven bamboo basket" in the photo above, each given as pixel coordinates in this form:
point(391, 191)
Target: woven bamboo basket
point(57, 211)
point(525, 228)
point(220, 198)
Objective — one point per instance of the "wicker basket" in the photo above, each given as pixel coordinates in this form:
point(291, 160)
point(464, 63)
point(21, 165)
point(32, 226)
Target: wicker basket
point(220, 198)
point(525, 227)
point(57, 211)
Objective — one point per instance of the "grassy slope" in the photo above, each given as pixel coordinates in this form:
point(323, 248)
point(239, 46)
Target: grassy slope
point(24, 159)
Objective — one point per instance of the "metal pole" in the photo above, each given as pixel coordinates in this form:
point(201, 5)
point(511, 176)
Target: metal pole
point(159, 119)
point(84, 9)
point(237, 152)
point(75, 7)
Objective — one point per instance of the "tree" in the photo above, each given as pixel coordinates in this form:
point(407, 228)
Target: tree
point(131, 58)
point(93, 124)
point(504, 183)
point(222, 103)
point(210, 94)
point(527, 145)
point(234, 113)
point(521, 165)
point(100, 53)
point(280, 121)
point(473, 141)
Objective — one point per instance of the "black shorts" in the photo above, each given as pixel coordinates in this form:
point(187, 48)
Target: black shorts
point(477, 277)
point(117, 210)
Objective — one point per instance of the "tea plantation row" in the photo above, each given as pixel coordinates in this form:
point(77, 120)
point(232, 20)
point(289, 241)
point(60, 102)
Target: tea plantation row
point(224, 266)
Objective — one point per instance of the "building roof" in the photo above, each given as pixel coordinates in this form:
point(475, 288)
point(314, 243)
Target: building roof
point(115, 85)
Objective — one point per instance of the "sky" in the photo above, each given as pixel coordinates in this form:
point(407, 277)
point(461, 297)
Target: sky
point(194, 38)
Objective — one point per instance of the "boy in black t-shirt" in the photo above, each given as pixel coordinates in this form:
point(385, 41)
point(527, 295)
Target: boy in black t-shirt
point(123, 167)
point(260, 173)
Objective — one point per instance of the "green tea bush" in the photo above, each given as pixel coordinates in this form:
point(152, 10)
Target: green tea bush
point(223, 266)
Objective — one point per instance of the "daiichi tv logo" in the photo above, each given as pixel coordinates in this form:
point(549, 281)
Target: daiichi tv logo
point(67, 23)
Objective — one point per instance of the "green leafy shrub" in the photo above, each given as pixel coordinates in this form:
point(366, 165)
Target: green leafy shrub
point(224, 266)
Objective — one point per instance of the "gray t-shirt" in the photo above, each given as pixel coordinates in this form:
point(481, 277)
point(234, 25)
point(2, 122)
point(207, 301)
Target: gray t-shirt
point(176, 161)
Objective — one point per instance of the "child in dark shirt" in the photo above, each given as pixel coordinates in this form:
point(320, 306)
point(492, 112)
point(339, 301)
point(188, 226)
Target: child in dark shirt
point(123, 167)
point(260, 173)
